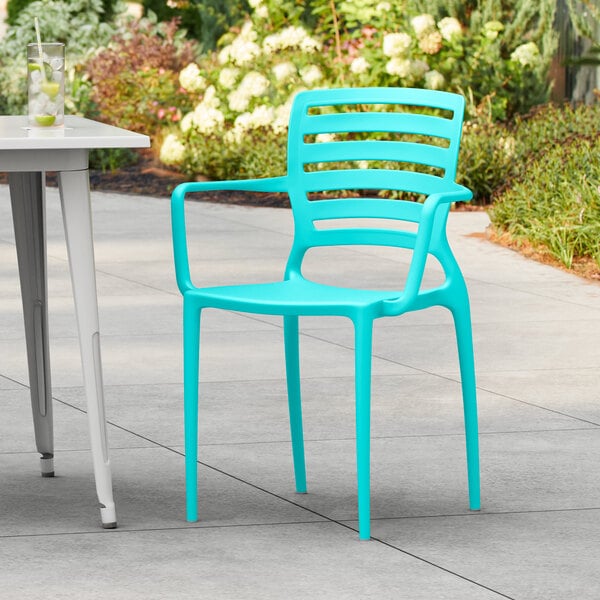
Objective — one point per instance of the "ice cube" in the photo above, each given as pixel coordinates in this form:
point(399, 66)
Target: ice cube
point(57, 76)
point(56, 63)
point(35, 75)
point(37, 106)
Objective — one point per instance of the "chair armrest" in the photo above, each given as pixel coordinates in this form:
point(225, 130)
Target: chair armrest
point(455, 193)
point(266, 184)
point(182, 267)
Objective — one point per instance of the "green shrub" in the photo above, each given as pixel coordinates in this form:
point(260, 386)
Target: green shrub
point(134, 81)
point(495, 154)
point(111, 159)
point(204, 20)
point(486, 158)
point(554, 204)
point(249, 83)
point(262, 151)
point(15, 7)
point(551, 124)
point(494, 52)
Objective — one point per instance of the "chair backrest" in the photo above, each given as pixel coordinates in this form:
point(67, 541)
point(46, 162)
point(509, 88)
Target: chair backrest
point(396, 139)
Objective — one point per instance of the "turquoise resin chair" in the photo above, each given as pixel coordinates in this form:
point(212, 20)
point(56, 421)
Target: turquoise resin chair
point(339, 116)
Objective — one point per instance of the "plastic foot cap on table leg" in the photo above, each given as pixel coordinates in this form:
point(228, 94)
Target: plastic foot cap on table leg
point(108, 514)
point(47, 466)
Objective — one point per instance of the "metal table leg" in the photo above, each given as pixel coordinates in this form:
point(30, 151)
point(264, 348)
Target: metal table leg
point(28, 209)
point(75, 200)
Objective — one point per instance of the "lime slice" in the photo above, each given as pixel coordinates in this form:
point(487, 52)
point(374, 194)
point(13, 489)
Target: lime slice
point(33, 66)
point(45, 120)
point(50, 88)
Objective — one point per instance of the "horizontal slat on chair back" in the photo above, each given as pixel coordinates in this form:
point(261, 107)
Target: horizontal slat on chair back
point(416, 124)
point(399, 152)
point(372, 179)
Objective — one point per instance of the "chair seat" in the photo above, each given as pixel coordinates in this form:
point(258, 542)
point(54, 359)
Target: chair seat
point(297, 296)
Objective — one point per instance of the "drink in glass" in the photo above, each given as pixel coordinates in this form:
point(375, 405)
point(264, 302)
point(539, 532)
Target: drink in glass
point(46, 84)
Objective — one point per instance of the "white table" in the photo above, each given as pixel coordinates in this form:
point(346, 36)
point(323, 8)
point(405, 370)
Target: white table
point(25, 154)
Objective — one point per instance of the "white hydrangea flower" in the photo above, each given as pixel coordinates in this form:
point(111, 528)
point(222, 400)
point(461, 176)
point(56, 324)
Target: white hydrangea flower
point(359, 65)
point(383, 7)
point(431, 43)
point(418, 68)
point(283, 71)
point(322, 138)
point(398, 66)
point(282, 116)
point(187, 122)
point(528, 55)
point(422, 24)
point(262, 116)
point(290, 37)
point(396, 44)
point(224, 55)
point(191, 80)
point(311, 75)
point(172, 151)
point(247, 33)
point(228, 76)
point(243, 50)
point(207, 118)
point(255, 3)
point(310, 45)
point(272, 43)
point(262, 12)
point(238, 100)
point(450, 27)
point(434, 80)
point(242, 122)
point(293, 36)
point(210, 98)
point(254, 84)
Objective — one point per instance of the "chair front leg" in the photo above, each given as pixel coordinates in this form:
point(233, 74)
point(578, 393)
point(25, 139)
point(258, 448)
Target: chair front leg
point(292, 366)
point(191, 358)
point(363, 348)
point(464, 338)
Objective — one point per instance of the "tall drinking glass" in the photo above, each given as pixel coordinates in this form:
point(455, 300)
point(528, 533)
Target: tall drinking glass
point(46, 84)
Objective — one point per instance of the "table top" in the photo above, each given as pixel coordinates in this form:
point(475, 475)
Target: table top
point(15, 134)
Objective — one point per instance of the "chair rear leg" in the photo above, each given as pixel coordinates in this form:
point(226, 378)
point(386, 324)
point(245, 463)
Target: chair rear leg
point(191, 357)
point(363, 349)
point(464, 337)
point(292, 366)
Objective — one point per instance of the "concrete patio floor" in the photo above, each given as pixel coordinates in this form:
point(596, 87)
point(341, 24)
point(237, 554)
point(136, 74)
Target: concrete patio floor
point(537, 333)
